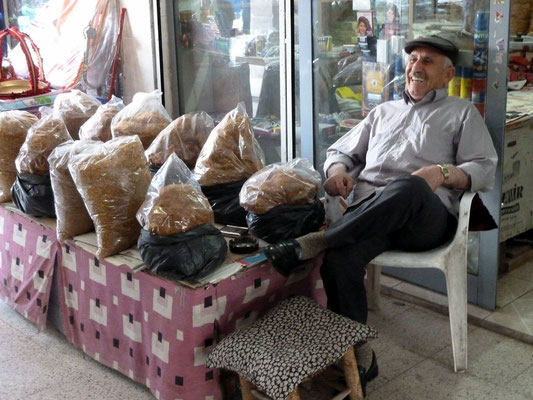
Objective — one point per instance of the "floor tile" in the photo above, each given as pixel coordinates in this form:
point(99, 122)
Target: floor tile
point(418, 330)
point(522, 383)
point(393, 360)
point(389, 281)
point(493, 357)
point(16, 320)
point(517, 315)
point(431, 380)
point(510, 288)
point(438, 298)
point(390, 308)
point(525, 271)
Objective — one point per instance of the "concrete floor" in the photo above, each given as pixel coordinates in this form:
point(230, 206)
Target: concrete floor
point(413, 348)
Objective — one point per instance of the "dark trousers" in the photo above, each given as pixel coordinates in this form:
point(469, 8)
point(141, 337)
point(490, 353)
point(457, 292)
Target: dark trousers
point(406, 215)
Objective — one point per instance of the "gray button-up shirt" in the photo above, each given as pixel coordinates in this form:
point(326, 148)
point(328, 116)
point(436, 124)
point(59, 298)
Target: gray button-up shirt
point(399, 137)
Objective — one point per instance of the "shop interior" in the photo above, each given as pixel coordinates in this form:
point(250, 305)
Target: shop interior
point(354, 41)
point(226, 52)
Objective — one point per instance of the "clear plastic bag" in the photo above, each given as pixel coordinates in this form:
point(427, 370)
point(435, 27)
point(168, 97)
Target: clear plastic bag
point(231, 152)
point(98, 127)
point(185, 136)
point(350, 71)
point(145, 117)
point(72, 216)
point(175, 202)
point(43, 137)
point(113, 179)
point(75, 107)
point(14, 126)
point(293, 183)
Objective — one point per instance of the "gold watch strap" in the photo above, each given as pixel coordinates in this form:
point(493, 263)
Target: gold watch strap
point(445, 171)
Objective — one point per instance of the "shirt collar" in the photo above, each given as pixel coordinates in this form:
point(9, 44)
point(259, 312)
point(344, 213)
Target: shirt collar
point(432, 96)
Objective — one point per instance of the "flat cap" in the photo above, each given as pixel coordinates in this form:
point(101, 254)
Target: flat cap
point(437, 43)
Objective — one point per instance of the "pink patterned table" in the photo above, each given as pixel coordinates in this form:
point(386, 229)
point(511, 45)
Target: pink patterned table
point(27, 257)
point(158, 332)
point(153, 330)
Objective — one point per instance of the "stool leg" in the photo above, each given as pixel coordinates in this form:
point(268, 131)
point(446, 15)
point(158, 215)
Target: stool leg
point(349, 365)
point(295, 395)
point(246, 389)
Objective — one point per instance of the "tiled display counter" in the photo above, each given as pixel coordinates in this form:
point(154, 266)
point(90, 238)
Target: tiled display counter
point(155, 331)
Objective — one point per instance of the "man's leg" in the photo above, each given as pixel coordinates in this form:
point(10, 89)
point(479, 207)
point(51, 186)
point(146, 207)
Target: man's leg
point(406, 210)
point(343, 272)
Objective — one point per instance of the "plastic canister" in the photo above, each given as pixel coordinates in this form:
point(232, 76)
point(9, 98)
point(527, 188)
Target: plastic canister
point(466, 83)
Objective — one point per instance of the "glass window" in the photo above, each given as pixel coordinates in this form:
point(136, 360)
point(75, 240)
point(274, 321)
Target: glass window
point(358, 61)
point(227, 53)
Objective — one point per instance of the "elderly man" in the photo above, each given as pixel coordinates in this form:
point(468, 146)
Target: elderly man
point(407, 163)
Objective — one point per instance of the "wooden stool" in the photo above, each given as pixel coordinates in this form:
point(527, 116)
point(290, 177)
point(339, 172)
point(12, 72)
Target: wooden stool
point(292, 343)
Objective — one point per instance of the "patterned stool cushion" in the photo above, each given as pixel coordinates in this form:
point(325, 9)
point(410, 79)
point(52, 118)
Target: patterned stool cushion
point(293, 341)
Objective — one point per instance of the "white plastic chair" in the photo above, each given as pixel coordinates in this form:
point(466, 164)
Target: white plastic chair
point(450, 258)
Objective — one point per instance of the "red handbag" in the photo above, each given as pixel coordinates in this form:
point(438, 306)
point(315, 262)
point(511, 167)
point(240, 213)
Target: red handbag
point(12, 87)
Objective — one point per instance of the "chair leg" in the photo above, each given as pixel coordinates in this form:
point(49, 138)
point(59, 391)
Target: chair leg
point(246, 389)
point(373, 286)
point(456, 281)
point(351, 374)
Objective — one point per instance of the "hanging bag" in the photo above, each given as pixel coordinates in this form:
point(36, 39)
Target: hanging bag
point(12, 87)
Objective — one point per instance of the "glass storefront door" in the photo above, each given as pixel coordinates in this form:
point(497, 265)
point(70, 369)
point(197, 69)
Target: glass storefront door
point(225, 52)
point(358, 63)
point(337, 60)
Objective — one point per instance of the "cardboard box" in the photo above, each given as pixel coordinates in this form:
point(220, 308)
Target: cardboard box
point(517, 192)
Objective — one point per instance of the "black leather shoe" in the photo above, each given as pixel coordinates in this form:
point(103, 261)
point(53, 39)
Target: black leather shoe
point(368, 375)
point(283, 256)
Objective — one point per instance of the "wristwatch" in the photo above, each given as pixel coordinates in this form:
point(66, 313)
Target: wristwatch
point(445, 171)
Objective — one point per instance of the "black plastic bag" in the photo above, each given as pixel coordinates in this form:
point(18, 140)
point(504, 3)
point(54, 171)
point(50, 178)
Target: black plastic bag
point(224, 200)
point(183, 256)
point(286, 222)
point(33, 195)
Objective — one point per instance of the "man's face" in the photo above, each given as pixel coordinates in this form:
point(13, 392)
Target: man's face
point(427, 70)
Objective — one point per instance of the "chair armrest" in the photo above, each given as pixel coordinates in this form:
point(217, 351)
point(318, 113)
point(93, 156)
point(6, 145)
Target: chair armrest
point(464, 210)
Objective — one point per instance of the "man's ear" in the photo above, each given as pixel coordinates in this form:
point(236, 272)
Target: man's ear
point(449, 74)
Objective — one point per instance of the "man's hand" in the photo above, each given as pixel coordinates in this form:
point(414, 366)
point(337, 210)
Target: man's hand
point(339, 183)
point(432, 174)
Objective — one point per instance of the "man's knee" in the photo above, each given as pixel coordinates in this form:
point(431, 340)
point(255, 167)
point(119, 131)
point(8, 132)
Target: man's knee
point(410, 187)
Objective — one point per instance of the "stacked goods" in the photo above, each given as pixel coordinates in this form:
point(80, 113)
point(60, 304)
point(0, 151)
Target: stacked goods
point(32, 191)
point(72, 216)
point(75, 108)
point(276, 185)
point(43, 137)
point(230, 155)
point(145, 117)
point(177, 208)
point(178, 238)
point(112, 178)
point(281, 200)
point(520, 16)
point(480, 60)
point(175, 202)
point(14, 126)
point(185, 136)
point(98, 127)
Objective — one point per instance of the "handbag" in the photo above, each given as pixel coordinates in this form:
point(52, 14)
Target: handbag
point(12, 87)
